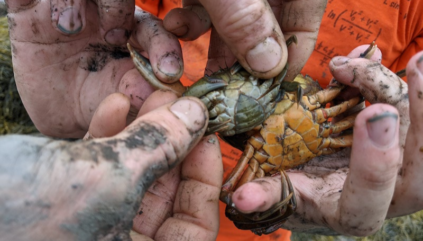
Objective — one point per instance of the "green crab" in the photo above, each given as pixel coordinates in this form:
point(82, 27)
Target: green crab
point(278, 124)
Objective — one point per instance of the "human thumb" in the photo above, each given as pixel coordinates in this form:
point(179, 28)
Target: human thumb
point(252, 33)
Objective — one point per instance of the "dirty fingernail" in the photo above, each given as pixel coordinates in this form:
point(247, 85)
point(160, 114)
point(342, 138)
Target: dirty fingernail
point(170, 65)
point(338, 61)
point(382, 128)
point(212, 139)
point(190, 112)
point(117, 36)
point(265, 56)
point(70, 21)
point(180, 31)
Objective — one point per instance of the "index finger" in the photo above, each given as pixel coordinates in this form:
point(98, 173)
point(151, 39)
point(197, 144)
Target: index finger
point(408, 196)
point(116, 20)
point(375, 160)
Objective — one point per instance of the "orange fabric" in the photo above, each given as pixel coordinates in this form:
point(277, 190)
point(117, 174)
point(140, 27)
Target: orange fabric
point(396, 25)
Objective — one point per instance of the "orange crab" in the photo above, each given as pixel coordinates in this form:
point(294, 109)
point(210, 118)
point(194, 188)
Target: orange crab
point(285, 125)
point(294, 134)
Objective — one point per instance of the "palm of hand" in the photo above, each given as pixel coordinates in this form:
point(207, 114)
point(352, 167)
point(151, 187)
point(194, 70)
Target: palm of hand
point(66, 76)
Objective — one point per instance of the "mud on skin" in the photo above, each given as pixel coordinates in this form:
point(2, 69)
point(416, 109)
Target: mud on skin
point(46, 172)
point(101, 54)
point(114, 219)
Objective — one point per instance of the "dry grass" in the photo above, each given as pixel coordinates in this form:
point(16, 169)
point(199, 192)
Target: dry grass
point(397, 229)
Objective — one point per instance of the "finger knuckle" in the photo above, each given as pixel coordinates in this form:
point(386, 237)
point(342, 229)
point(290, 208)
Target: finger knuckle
point(250, 18)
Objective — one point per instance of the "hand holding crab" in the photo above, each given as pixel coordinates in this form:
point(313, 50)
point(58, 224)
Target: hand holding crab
point(91, 190)
point(381, 85)
point(70, 55)
point(252, 32)
point(313, 189)
point(371, 188)
point(289, 136)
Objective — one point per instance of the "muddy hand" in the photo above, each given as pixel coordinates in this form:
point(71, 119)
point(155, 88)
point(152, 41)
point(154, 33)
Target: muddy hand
point(70, 55)
point(324, 203)
point(198, 179)
point(91, 190)
point(252, 31)
point(381, 85)
point(70, 17)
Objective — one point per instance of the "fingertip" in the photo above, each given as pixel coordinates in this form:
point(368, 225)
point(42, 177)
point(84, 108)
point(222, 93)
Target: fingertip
point(414, 68)
point(381, 122)
point(249, 198)
point(176, 22)
point(267, 58)
point(373, 170)
point(157, 99)
point(110, 116)
point(376, 129)
point(187, 23)
point(188, 112)
point(340, 66)
point(68, 18)
point(163, 48)
point(258, 195)
point(170, 67)
point(262, 53)
point(116, 20)
point(348, 70)
point(414, 73)
point(117, 36)
point(70, 21)
point(193, 113)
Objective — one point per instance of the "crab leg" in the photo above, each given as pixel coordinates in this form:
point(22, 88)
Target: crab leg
point(232, 180)
point(337, 142)
point(243, 172)
point(324, 96)
point(252, 172)
point(322, 115)
point(338, 127)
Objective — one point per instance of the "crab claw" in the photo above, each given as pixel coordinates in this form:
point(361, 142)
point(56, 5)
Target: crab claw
point(144, 67)
point(368, 53)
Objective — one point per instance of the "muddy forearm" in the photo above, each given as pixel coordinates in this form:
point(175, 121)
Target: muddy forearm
point(51, 189)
